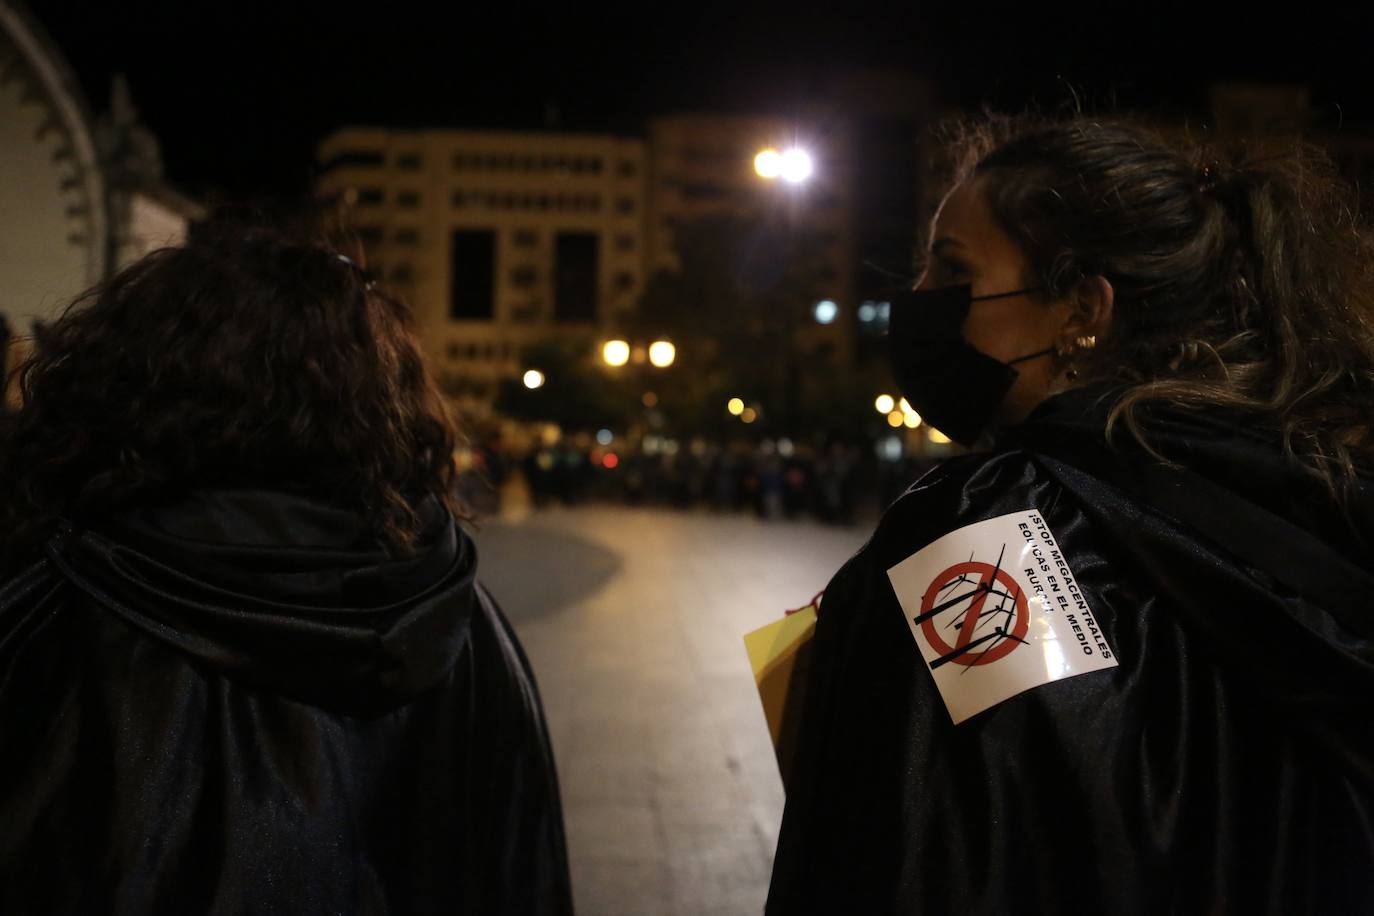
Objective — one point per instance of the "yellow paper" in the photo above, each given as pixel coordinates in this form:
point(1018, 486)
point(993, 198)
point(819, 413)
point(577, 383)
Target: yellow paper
point(773, 654)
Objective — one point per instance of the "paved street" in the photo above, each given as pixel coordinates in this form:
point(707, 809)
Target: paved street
point(633, 621)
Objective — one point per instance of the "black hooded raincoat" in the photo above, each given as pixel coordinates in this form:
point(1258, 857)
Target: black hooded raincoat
point(1226, 765)
point(240, 704)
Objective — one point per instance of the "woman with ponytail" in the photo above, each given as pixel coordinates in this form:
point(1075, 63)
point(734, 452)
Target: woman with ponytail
point(1120, 657)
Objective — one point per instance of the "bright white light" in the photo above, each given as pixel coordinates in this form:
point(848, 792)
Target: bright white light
point(890, 449)
point(826, 311)
point(615, 352)
point(868, 312)
point(534, 379)
point(884, 403)
point(735, 406)
point(796, 166)
point(662, 353)
point(605, 437)
point(768, 163)
point(785, 448)
point(905, 406)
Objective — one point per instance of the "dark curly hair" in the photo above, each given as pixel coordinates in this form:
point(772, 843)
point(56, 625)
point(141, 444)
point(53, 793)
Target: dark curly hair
point(1242, 277)
point(247, 357)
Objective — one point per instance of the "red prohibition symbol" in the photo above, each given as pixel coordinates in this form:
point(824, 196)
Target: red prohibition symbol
point(973, 584)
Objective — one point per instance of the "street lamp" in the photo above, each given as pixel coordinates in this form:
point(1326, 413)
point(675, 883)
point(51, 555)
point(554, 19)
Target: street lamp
point(735, 406)
point(662, 354)
point(768, 164)
point(884, 404)
point(534, 379)
point(793, 166)
point(615, 352)
point(796, 166)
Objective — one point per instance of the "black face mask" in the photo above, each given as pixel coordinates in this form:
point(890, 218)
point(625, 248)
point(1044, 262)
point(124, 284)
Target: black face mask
point(951, 384)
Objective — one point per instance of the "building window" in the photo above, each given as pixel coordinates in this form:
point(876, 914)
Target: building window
point(704, 193)
point(402, 273)
point(452, 351)
point(460, 161)
point(472, 286)
point(524, 277)
point(370, 197)
point(624, 281)
point(625, 243)
point(353, 158)
point(576, 256)
point(627, 168)
point(407, 236)
point(408, 199)
point(525, 238)
point(370, 236)
point(408, 162)
point(625, 205)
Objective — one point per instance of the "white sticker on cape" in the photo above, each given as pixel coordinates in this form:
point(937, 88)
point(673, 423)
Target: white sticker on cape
point(996, 610)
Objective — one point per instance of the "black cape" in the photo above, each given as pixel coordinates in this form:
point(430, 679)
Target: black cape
point(241, 704)
point(1226, 765)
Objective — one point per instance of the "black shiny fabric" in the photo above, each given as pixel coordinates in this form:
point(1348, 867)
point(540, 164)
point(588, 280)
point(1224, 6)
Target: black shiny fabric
point(241, 704)
point(1226, 766)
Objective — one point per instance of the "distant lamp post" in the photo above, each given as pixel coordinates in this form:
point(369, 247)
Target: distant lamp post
point(768, 164)
point(662, 354)
point(793, 166)
point(615, 352)
point(796, 166)
point(884, 404)
point(534, 379)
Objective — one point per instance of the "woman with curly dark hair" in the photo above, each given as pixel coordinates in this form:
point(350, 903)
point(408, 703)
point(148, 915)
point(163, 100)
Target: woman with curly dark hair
point(245, 665)
point(1119, 659)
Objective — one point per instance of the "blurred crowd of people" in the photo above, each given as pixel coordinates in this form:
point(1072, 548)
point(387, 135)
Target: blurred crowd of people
point(840, 483)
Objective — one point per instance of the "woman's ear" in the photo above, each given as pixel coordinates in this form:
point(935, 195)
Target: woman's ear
point(1091, 312)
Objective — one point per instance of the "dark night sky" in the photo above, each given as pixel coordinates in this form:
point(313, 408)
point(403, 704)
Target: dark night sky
point(240, 92)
